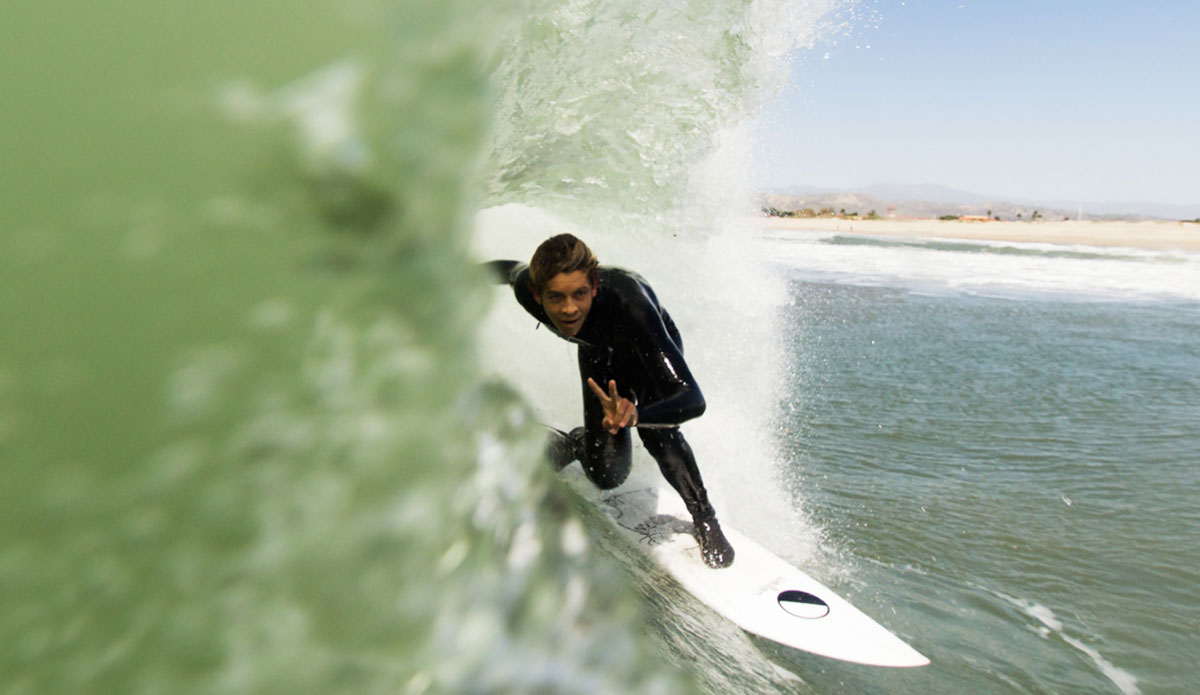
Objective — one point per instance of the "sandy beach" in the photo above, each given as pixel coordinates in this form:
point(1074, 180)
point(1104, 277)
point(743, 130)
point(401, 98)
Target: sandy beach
point(1151, 235)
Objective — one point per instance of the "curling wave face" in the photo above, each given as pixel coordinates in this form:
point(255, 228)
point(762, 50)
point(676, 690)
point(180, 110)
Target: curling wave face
point(248, 443)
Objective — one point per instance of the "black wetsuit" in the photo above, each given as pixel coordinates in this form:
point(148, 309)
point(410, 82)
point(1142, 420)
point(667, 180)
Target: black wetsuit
point(629, 338)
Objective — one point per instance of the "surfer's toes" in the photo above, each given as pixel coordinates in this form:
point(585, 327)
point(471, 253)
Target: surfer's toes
point(714, 547)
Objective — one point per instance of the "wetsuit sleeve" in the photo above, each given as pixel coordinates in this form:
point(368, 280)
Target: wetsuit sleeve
point(516, 275)
point(504, 271)
point(663, 359)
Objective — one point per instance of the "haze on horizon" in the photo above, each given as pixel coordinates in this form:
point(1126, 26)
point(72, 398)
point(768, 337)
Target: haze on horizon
point(1070, 102)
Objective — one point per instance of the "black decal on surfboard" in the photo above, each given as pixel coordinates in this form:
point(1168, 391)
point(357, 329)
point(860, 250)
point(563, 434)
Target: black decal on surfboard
point(661, 528)
point(617, 505)
point(803, 604)
point(633, 511)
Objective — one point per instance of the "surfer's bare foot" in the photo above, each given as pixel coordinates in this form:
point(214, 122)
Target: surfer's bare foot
point(714, 548)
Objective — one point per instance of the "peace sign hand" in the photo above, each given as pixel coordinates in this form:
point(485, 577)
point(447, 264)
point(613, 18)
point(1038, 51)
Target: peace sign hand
point(618, 411)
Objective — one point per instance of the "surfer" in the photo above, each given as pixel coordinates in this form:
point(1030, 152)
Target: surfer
point(632, 371)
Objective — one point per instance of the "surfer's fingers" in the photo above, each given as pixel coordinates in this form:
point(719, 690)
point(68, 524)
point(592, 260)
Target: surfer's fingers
point(612, 391)
point(628, 413)
point(597, 390)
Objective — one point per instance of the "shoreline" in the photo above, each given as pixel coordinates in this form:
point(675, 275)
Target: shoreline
point(1147, 235)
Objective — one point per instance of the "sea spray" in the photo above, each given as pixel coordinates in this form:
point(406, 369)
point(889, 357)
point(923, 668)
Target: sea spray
point(627, 129)
point(615, 108)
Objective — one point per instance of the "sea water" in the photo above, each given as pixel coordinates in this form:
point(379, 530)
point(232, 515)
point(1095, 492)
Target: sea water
point(1003, 439)
point(265, 428)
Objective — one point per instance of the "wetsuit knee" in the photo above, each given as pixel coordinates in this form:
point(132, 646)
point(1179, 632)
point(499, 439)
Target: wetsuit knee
point(606, 477)
point(607, 458)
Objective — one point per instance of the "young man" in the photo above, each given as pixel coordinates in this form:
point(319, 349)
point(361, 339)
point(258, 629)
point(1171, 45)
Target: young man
point(632, 372)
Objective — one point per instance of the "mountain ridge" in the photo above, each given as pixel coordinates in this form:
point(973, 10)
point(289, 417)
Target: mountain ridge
point(936, 200)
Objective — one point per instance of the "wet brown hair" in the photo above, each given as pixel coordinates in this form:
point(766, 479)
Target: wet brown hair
point(560, 254)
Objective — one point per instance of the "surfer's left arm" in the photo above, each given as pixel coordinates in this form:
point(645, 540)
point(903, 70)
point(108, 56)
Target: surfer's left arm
point(663, 359)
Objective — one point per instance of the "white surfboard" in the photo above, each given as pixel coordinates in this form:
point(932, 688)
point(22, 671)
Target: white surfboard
point(760, 592)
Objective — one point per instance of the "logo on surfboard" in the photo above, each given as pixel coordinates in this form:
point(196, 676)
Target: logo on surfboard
point(803, 604)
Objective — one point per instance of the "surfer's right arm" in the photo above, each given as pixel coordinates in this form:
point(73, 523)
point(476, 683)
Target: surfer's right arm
point(505, 272)
point(516, 275)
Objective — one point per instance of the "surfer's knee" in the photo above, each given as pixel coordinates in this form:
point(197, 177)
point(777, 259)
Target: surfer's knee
point(606, 476)
point(607, 481)
point(606, 458)
point(608, 465)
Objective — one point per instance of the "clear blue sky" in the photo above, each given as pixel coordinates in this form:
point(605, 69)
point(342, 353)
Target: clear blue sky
point(1049, 100)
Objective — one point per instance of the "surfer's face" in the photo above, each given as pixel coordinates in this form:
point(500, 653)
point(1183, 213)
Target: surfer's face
point(567, 300)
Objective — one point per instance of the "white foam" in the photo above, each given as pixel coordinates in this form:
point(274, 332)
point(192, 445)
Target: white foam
point(1084, 273)
point(1052, 625)
point(322, 108)
point(1124, 680)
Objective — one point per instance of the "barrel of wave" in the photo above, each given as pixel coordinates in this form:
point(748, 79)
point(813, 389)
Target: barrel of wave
point(724, 304)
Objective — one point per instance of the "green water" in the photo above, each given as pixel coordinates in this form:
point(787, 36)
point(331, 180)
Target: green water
point(244, 445)
point(258, 433)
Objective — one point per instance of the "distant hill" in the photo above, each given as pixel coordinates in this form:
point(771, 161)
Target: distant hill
point(932, 200)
